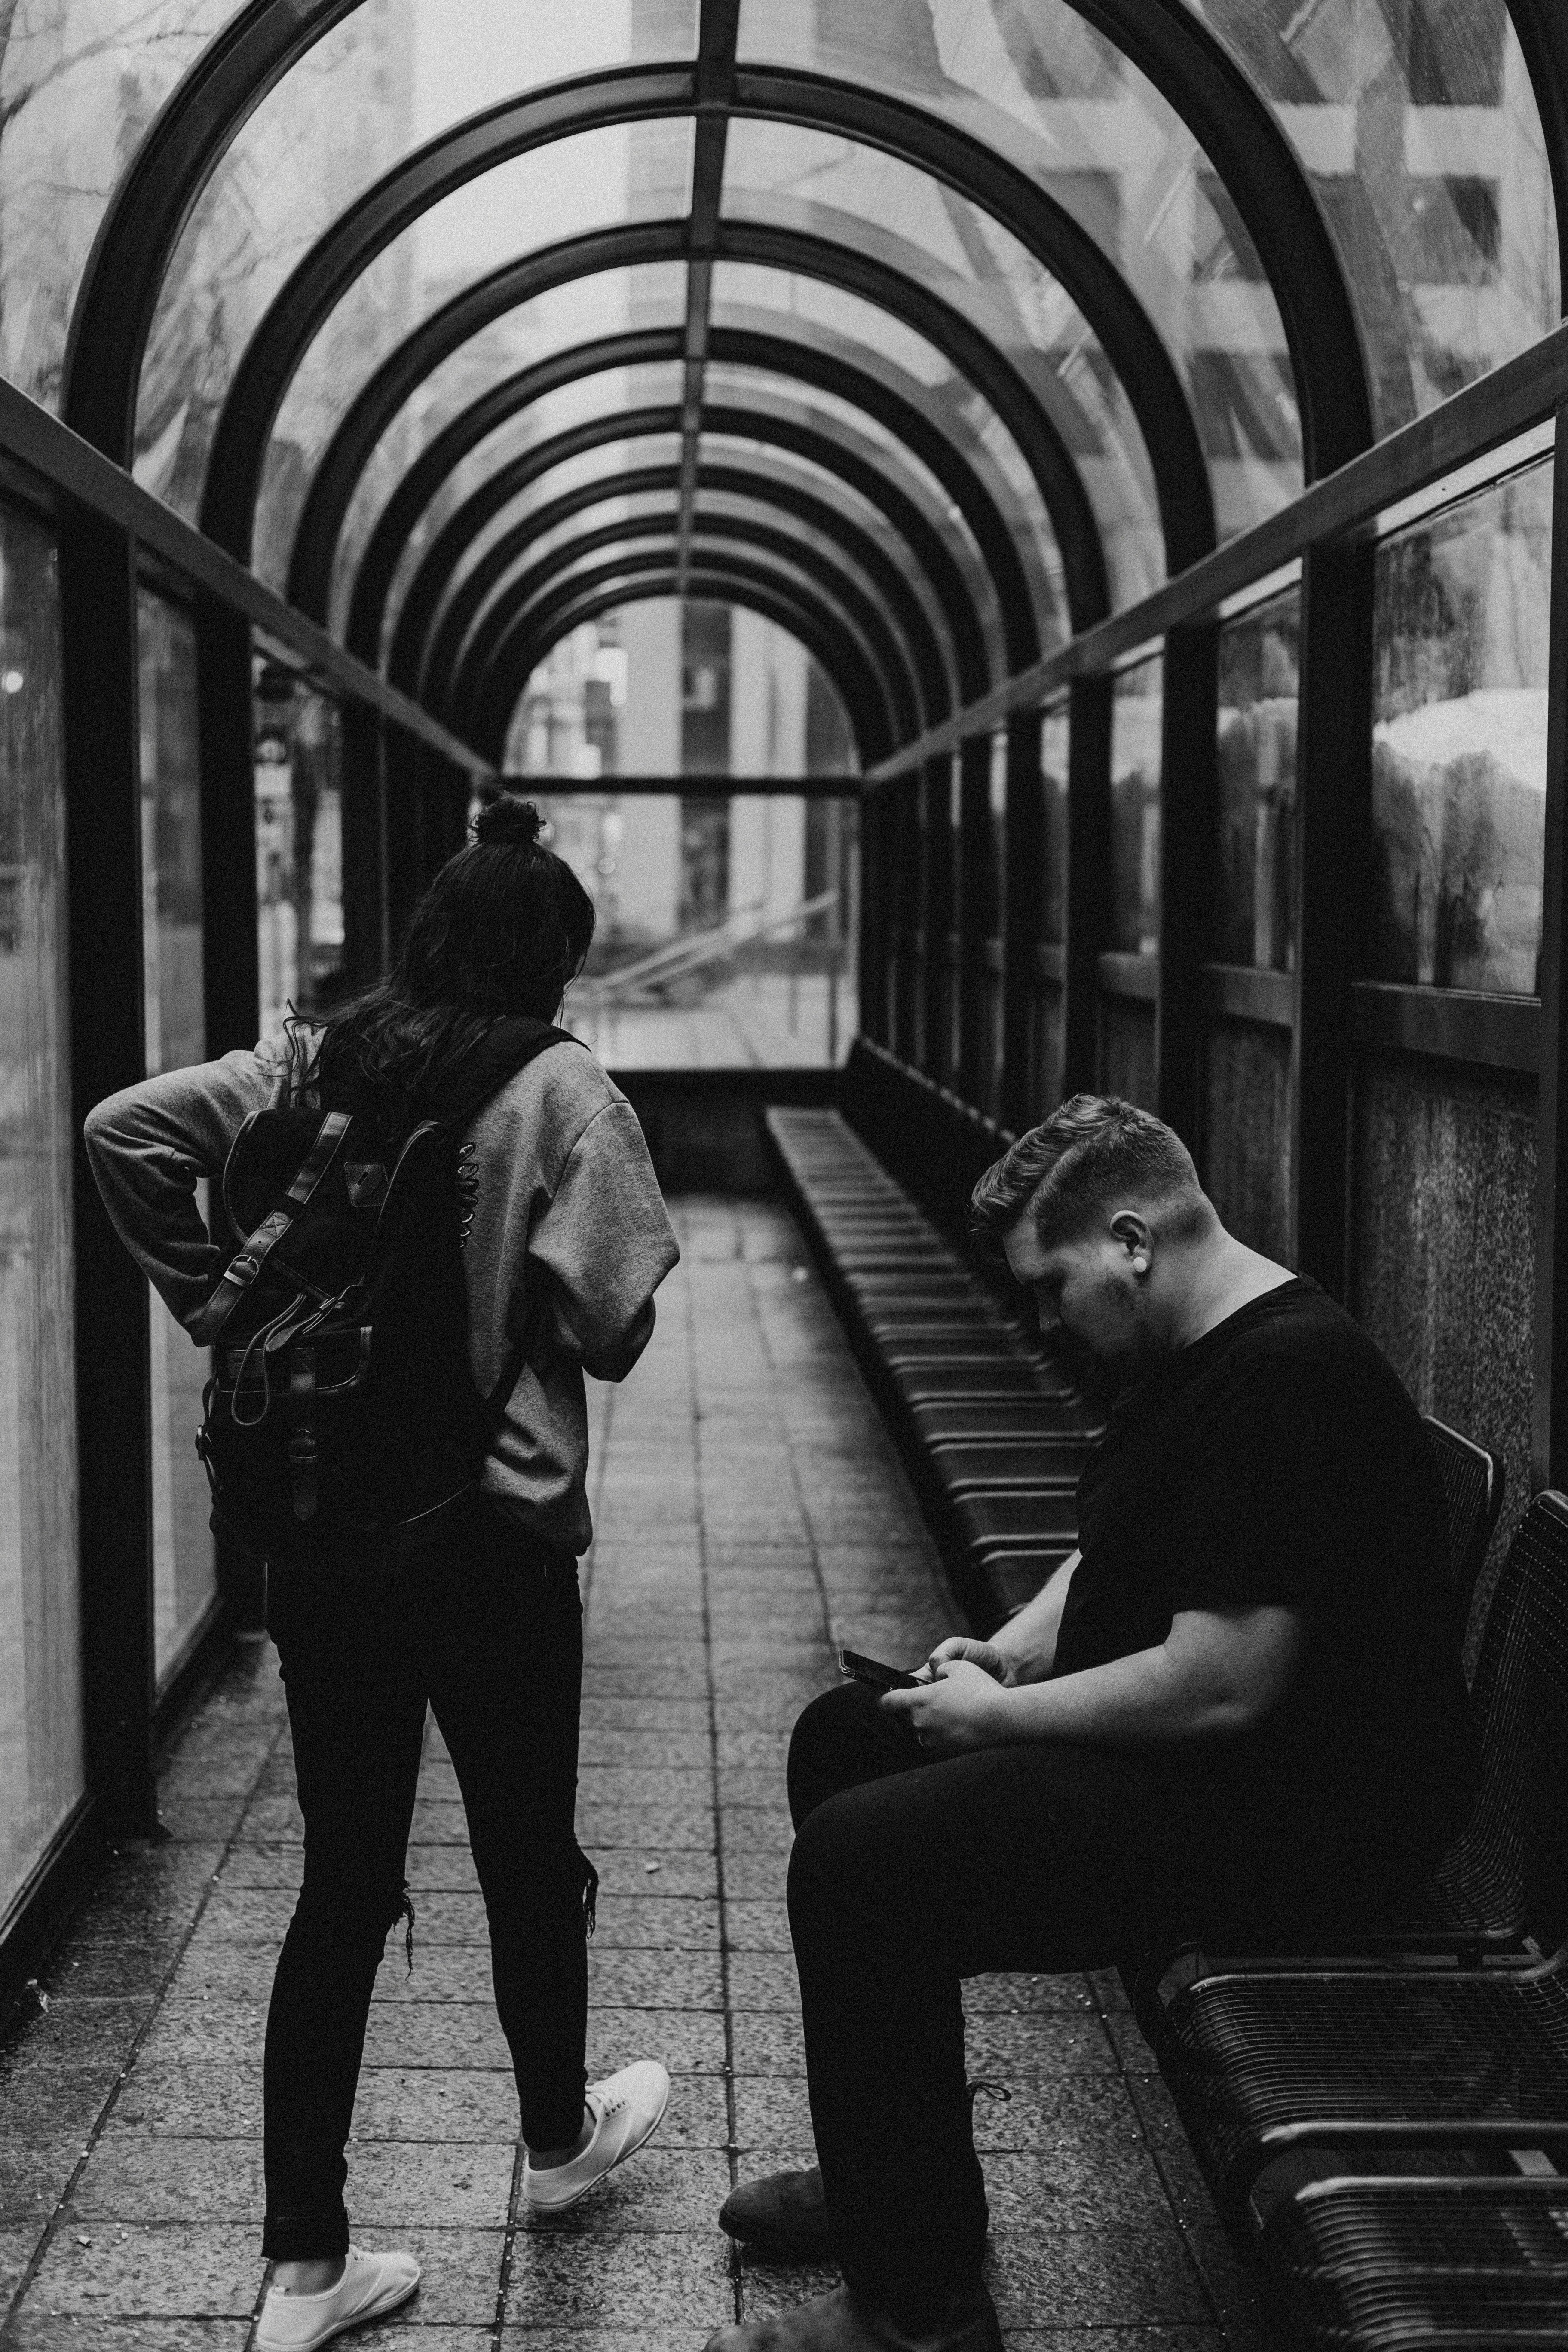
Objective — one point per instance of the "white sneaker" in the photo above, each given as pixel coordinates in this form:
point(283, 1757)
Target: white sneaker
point(627, 2109)
point(370, 2286)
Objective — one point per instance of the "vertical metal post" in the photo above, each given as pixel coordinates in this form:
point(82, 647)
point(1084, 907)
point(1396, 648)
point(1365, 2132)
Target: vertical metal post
point(1087, 877)
point(1333, 810)
point(976, 920)
point(1023, 916)
point(231, 978)
point(872, 958)
point(936, 912)
point(364, 846)
point(103, 848)
point(1189, 786)
point(1549, 1436)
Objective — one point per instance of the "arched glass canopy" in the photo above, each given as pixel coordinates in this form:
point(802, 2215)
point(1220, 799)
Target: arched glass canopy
point(1049, 297)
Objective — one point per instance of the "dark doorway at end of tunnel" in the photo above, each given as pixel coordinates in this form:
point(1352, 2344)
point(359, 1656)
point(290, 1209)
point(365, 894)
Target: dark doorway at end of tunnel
point(704, 1127)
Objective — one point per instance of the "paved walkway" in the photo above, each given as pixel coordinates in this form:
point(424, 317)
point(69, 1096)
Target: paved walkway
point(751, 1512)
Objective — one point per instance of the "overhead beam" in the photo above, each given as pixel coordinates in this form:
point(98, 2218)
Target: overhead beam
point(855, 689)
point(858, 609)
point(705, 787)
point(955, 463)
point(466, 606)
point(718, 31)
point(827, 448)
point(527, 622)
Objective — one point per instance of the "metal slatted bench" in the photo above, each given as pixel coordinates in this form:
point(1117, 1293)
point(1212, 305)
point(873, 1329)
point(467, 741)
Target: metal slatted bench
point(995, 1437)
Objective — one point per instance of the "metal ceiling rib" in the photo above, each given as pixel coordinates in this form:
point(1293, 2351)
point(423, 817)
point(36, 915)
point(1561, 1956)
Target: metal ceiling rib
point(803, 616)
point(946, 448)
point(1163, 38)
point(466, 608)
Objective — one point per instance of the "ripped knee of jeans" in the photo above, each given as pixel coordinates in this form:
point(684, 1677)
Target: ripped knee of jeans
point(405, 1912)
point(590, 1896)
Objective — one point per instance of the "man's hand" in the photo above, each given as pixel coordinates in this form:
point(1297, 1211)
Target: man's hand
point(962, 1708)
point(984, 1655)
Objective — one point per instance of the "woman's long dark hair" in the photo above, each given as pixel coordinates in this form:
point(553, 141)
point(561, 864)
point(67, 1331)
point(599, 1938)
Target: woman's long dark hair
point(502, 930)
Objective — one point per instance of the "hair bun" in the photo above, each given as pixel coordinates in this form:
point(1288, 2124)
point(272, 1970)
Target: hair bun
point(511, 819)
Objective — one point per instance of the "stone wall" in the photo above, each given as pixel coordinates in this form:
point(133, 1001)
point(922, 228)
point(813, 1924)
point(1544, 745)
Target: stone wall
point(1245, 1161)
point(1443, 1212)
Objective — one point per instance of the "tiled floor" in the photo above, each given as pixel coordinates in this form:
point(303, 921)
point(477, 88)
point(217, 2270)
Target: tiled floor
point(750, 1512)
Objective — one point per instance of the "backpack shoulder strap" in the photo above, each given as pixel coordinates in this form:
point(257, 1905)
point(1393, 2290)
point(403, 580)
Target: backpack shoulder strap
point(506, 1049)
point(249, 1260)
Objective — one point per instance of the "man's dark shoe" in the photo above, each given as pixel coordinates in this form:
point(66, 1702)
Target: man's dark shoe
point(839, 2322)
point(783, 2216)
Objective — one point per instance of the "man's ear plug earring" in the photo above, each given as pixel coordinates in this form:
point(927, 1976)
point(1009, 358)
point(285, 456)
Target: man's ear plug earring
point(1140, 1264)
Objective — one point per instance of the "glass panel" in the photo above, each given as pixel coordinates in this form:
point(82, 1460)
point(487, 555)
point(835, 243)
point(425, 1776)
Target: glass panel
point(1135, 808)
point(574, 185)
point(833, 187)
point(1260, 673)
point(371, 91)
point(585, 311)
point(184, 1569)
point(1055, 740)
point(77, 91)
point(726, 928)
point(1037, 83)
point(42, 1766)
point(1458, 762)
point(1420, 133)
point(855, 428)
point(558, 412)
point(298, 847)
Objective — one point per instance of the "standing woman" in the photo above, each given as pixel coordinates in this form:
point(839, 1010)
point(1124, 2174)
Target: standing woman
point(568, 1237)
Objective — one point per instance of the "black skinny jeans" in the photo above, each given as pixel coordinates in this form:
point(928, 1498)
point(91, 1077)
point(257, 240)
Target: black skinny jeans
point(490, 1633)
point(908, 1875)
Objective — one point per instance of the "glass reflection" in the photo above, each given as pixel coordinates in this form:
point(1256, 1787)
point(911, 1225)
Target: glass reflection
point(835, 187)
point(183, 1567)
point(1458, 761)
point(41, 1755)
point(586, 311)
point(1039, 84)
point(299, 847)
point(1135, 808)
point(379, 83)
point(1419, 130)
point(1259, 674)
point(567, 189)
point(77, 90)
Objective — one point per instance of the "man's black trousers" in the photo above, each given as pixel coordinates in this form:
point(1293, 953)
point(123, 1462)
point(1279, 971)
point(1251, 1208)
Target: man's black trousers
point(907, 1875)
point(489, 1635)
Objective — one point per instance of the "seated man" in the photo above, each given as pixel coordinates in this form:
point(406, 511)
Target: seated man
point(1235, 1710)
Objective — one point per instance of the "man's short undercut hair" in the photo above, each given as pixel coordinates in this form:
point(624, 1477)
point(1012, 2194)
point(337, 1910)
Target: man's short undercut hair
point(1094, 1153)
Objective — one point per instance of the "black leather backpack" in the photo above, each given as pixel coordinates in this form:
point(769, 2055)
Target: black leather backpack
point(342, 1421)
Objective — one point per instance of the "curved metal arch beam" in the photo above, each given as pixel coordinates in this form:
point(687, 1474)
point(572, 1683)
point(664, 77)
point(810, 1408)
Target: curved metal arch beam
point(524, 590)
point(962, 342)
point(830, 362)
point(969, 323)
point(905, 612)
point(959, 472)
point(1264, 178)
point(177, 154)
point(495, 136)
point(796, 613)
point(396, 524)
point(826, 448)
point(1542, 29)
point(562, 109)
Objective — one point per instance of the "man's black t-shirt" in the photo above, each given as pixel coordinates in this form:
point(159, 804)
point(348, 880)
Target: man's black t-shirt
point(1278, 1459)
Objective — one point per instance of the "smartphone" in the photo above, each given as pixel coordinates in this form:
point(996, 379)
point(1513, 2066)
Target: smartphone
point(881, 1677)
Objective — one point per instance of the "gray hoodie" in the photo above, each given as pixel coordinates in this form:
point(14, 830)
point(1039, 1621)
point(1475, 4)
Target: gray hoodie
point(566, 1189)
